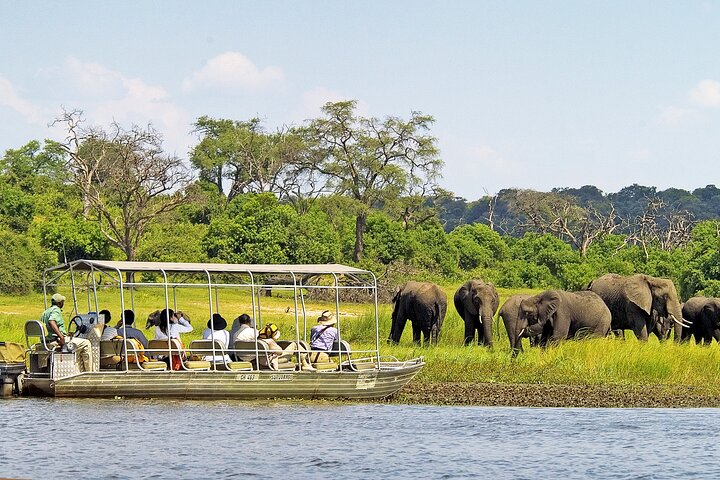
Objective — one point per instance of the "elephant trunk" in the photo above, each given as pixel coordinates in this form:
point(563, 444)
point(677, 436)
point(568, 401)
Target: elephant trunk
point(675, 314)
point(486, 321)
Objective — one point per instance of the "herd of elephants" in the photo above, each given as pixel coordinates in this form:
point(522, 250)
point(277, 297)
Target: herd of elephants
point(612, 303)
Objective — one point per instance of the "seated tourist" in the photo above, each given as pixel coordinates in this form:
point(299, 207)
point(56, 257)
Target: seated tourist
point(323, 337)
point(109, 332)
point(216, 331)
point(170, 324)
point(269, 335)
point(126, 329)
point(243, 331)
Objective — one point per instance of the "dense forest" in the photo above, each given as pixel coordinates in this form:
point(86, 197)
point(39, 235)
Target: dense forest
point(339, 188)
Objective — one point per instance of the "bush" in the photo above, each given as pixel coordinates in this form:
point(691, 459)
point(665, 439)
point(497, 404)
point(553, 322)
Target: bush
point(23, 261)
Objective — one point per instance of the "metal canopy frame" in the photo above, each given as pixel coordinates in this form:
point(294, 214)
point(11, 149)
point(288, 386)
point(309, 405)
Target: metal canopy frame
point(255, 276)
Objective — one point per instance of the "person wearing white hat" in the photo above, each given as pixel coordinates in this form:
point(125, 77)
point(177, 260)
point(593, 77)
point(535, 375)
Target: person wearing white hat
point(323, 337)
point(54, 322)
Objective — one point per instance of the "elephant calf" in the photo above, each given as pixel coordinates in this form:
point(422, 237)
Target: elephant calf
point(702, 316)
point(559, 315)
point(424, 304)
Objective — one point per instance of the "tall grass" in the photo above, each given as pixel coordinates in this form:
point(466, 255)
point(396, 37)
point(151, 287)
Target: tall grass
point(586, 362)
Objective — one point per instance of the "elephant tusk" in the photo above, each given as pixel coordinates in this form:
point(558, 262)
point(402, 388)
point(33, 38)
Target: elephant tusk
point(521, 333)
point(683, 322)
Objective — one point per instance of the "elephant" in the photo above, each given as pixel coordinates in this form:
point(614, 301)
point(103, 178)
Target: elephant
point(641, 303)
point(704, 313)
point(516, 330)
point(559, 315)
point(424, 304)
point(476, 302)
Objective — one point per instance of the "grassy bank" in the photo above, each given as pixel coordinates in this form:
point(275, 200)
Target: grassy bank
point(591, 363)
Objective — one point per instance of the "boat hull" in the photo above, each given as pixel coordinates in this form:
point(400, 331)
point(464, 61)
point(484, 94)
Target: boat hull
point(374, 383)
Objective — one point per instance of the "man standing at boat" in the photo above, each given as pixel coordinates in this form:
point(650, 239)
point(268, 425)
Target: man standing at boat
point(57, 335)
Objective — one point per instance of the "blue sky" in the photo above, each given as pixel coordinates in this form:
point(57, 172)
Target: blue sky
point(526, 94)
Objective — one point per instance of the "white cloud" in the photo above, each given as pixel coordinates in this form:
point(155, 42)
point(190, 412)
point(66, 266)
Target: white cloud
point(706, 94)
point(232, 71)
point(9, 97)
point(106, 95)
point(675, 116)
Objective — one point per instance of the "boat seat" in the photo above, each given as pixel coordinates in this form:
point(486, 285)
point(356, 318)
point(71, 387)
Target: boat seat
point(35, 329)
point(111, 354)
point(246, 350)
point(159, 348)
point(149, 365)
point(134, 355)
point(204, 348)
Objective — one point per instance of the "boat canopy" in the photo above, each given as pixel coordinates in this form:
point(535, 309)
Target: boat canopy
point(179, 267)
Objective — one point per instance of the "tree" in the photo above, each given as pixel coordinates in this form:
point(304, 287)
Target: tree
point(559, 215)
point(661, 225)
point(253, 159)
point(370, 160)
point(125, 178)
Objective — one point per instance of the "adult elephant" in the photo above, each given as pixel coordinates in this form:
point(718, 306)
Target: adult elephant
point(476, 302)
point(704, 313)
point(559, 315)
point(424, 304)
point(515, 328)
point(641, 303)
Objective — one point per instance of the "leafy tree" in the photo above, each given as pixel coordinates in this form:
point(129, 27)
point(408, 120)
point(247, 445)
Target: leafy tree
point(371, 160)
point(432, 249)
point(478, 246)
point(253, 159)
point(703, 259)
point(173, 241)
point(386, 241)
point(32, 169)
point(16, 208)
point(73, 238)
point(23, 261)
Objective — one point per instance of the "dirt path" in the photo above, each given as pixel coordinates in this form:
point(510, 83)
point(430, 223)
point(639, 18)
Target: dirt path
point(530, 395)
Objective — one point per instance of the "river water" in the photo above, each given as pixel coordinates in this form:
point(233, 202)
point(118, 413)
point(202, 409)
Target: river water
point(48, 438)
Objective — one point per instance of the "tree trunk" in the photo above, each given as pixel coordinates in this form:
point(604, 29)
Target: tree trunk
point(360, 222)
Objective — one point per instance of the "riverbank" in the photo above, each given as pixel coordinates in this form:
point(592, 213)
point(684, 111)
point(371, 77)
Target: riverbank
point(550, 395)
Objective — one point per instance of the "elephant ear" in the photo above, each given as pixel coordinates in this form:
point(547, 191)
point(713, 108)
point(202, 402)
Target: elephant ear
point(548, 306)
point(638, 292)
point(396, 295)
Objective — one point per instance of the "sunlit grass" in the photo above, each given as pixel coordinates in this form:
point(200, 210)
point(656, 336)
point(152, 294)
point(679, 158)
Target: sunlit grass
point(606, 361)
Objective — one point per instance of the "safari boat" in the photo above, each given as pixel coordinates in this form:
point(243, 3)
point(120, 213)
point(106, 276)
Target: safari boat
point(123, 370)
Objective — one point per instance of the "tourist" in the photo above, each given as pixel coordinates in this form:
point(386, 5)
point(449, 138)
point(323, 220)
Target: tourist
point(323, 337)
point(109, 332)
point(169, 323)
point(54, 323)
point(244, 332)
point(216, 331)
point(125, 328)
point(269, 335)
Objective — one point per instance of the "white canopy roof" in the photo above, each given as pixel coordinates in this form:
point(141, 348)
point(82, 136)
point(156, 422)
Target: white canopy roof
point(329, 268)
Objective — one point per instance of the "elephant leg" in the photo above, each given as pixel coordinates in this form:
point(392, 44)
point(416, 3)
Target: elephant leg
point(469, 329)
point(641, 331)
point(416, 333)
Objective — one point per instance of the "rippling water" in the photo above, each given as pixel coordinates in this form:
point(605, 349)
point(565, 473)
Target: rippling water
point(170, 439)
